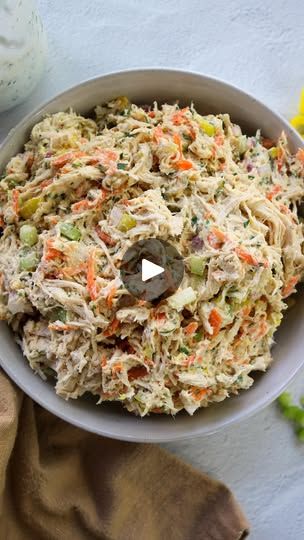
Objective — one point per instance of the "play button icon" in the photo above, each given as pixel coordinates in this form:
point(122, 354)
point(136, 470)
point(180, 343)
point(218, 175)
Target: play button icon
point(152, 269)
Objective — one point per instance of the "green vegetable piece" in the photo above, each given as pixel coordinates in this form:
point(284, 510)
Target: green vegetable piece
point(29, 262)
point(302, 401)
point(285, 400)
point(122, 166)
point(300, 434)
point(197, 265)
point(28, 235)
point(184, 350)
point(246, 223)
point(70, 232)
point(127, 222)
point(58, 314)
point(291, 412)
point(29, 207)
point(194, 220)
point(198, 336)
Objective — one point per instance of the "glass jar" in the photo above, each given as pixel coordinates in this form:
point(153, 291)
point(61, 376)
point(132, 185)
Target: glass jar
point(22, 51)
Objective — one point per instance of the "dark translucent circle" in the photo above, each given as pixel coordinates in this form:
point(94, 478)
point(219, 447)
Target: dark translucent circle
point(158, 252)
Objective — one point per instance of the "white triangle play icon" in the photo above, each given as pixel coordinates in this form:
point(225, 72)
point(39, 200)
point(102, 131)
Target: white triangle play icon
point(150, 270)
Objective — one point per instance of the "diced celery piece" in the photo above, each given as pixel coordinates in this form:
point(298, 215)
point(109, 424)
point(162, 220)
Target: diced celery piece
point(70, 232)
point(196, 265)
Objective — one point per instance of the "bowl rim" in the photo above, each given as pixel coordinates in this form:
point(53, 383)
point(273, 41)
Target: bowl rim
point(61, 413)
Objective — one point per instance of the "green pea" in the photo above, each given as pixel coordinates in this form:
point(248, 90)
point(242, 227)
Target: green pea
point(70, 231)
point(300, 434)
point(285, 400)
point(29, 262)
point(28, 235)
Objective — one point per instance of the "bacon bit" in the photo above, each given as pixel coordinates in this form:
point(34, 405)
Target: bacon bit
point(111, 329)
point(106, 238)
point(199, 393)
point(246, 256)
point(157, 410)
point(117, 368)
point(46, 183)
point(103, 360)
point(215, 320)
point(216, 238)
point(30, 161)
point(137, 373)
point(159, 316)
point(15, 200)
point(273, 192)
point(60, 327)
point(290, 285)
point(110, 297)
point(151, 114)
point(51, 252)
point(219, 139)
point(267, 143)
point(300, 154)
point(2, 222)
point(61, 161)
point(191, 328)
point(91, 281)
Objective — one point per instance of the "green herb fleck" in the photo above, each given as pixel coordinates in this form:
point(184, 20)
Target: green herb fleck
point(122, 166)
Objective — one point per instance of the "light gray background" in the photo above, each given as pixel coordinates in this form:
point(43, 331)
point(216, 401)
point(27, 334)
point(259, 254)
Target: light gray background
point(258, 45)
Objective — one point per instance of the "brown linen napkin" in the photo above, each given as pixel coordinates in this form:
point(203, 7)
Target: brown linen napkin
point(59, 482)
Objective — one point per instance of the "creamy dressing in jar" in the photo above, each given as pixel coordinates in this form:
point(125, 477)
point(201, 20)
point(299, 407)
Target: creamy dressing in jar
point(22, 50)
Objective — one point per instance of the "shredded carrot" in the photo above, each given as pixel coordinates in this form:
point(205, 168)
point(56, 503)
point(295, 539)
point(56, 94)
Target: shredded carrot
point(117, 368)
point(215, 320)
point(80, 206)
point(184, 165)
point(137, 373)
point(216, 238)
point(191, 328)
point(300, 154)
point(110, 297)
point(199, 393)
point(177, 140)
point(91, 280)
point(106, 238)
point(246, 256)
point(60, 327)
point(62, 160)
point(190, 359)
point(284, 209)
point(179, 118)
point(15, 198)
point(158, 134)
point(289, 286)
point(46, 183)
point(51, 252)
point(111, 329)
point(273, 192)
point(103, 360)
point(151, 114)
point(262, 329)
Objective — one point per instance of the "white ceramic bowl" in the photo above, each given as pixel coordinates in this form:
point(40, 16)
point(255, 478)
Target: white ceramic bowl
point(210, 96)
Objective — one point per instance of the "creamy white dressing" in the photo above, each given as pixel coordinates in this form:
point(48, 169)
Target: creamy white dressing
point(22, 50)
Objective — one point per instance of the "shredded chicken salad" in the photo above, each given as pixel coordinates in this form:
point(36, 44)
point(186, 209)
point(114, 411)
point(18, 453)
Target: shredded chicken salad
point(84, 190)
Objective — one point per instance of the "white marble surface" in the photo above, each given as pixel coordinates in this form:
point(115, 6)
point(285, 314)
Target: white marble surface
point(259, 46)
